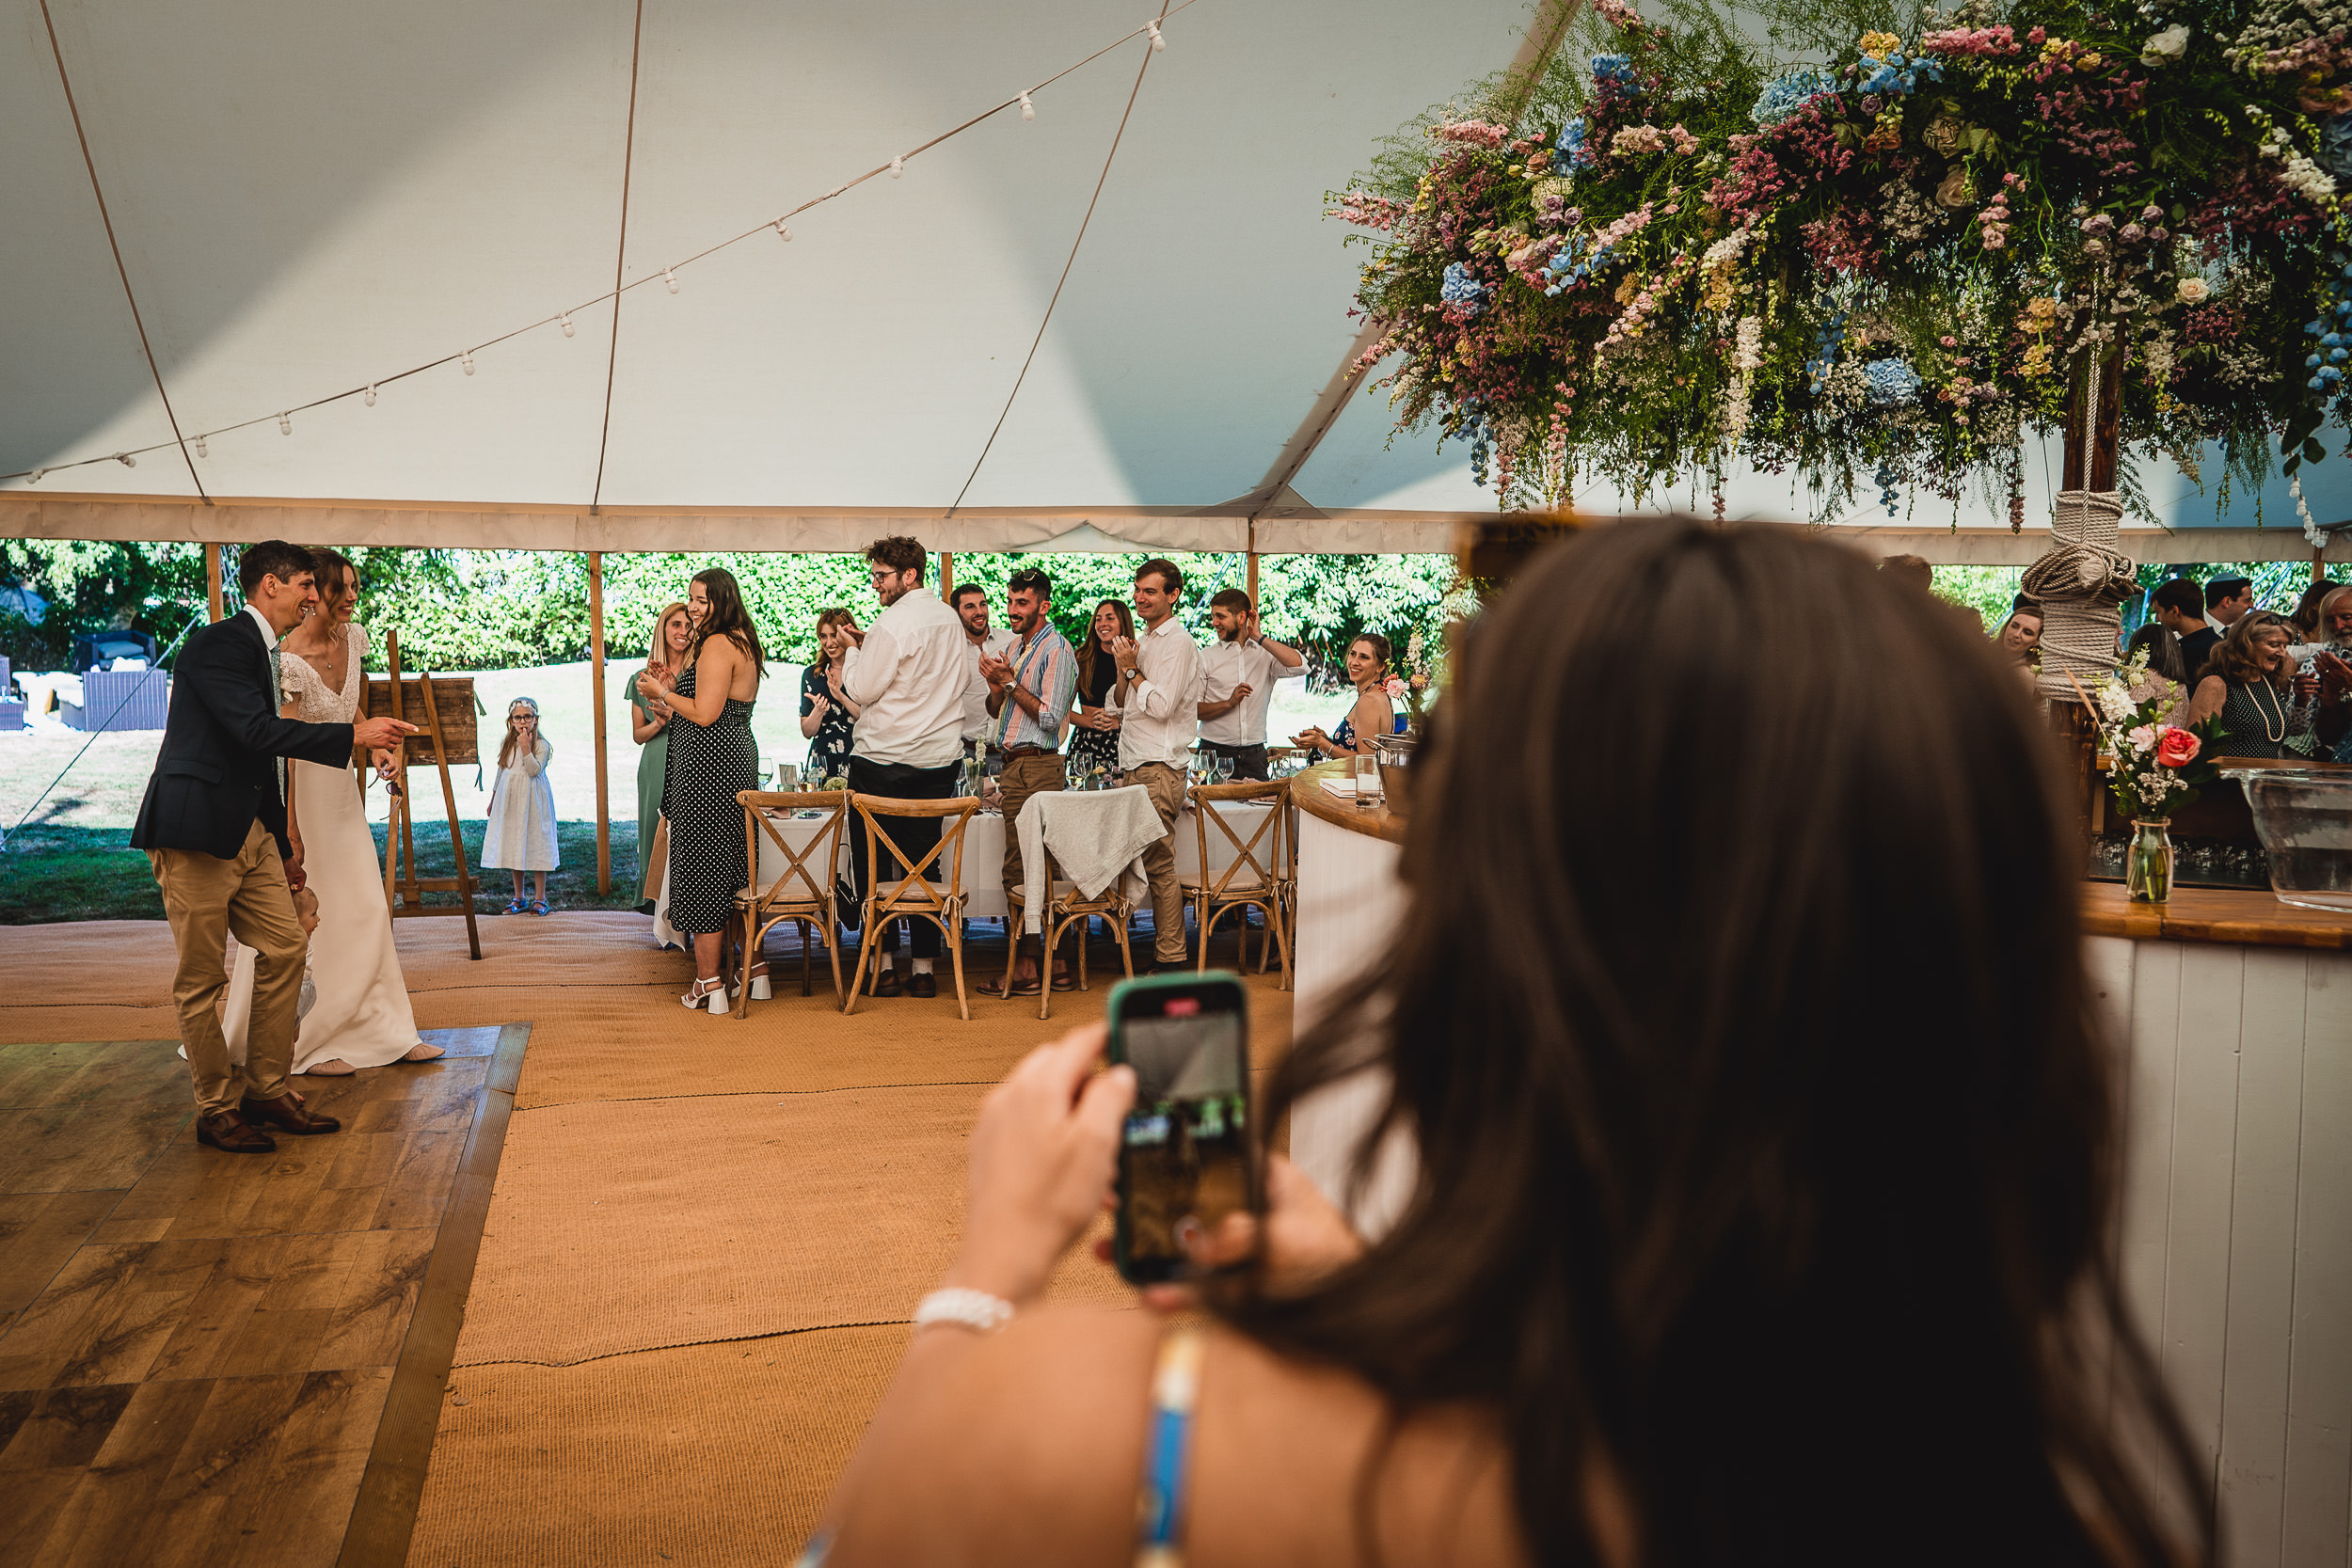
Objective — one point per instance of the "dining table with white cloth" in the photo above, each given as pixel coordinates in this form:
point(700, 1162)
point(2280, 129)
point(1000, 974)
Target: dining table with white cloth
point(984, 855)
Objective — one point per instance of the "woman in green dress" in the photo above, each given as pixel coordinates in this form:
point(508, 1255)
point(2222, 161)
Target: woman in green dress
point(650, 727)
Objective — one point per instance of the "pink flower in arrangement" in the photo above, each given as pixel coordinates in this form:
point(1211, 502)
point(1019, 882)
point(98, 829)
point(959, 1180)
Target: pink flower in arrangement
point(1476, 132)
point(1393, 687)
point(2143, 738)
point(1617, 13)
point(1984, 42)
point(1684, 143)
point(2178, 748)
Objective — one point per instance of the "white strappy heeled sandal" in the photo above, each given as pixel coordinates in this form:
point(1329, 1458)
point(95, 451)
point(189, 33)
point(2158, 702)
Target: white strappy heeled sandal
point(714, 997)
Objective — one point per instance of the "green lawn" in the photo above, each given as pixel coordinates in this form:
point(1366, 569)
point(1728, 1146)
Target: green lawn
point(50, 873)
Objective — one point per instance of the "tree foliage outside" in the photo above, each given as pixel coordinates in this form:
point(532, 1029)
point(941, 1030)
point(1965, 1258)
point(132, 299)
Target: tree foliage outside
point(497, 610)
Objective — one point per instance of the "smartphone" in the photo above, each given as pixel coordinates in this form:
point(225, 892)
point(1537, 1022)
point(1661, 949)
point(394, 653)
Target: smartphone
point(1186, 1157)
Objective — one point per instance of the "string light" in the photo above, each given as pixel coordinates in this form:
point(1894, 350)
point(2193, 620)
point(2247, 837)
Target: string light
point(669, 273)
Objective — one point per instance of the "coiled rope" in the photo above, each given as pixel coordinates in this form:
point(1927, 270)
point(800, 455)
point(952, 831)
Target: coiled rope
point(2081, 581)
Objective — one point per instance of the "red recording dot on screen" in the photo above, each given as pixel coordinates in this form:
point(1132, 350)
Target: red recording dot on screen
point(1182, 1006)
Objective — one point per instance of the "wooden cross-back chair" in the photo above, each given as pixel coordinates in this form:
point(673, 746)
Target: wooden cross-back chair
point(1254, 881)
point(1065, 907)
point(912, 893)
point(802, 888)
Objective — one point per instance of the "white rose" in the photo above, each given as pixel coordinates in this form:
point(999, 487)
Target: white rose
point(2193, 291)
point(2171, 44)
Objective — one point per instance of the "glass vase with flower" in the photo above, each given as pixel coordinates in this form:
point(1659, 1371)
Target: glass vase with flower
point(2155, 768)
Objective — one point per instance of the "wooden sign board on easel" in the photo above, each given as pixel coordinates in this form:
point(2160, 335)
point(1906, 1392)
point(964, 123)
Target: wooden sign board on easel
point(442, 709)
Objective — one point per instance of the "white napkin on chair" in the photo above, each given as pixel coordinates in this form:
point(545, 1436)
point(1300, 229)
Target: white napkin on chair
point(1093, 835)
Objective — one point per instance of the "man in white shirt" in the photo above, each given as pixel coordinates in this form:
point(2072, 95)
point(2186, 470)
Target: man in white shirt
point(907, 675)
point(1238, 671)
point(970, 603)
point(1157, 697)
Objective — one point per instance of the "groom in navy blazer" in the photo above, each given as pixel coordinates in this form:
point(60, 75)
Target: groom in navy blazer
point(213, 827)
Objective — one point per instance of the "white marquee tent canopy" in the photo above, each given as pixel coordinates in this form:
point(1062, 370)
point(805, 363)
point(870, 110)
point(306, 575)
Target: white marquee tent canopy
point(1120, 323)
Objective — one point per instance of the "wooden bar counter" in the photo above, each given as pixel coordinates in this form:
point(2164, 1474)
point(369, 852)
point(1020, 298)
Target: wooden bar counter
point(2234, 1012)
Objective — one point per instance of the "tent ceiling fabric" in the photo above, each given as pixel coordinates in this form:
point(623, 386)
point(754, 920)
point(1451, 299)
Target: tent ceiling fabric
point(310, 197)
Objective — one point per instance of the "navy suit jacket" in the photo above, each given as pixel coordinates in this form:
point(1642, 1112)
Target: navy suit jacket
point(218, 770)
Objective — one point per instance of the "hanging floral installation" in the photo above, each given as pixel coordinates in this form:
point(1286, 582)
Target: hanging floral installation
point(1880, 264)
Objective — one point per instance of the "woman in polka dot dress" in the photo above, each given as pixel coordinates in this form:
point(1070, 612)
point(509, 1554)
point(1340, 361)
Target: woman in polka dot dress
point(713, 756)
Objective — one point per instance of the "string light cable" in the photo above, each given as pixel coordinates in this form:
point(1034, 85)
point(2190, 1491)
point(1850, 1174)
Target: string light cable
point(1022, 101)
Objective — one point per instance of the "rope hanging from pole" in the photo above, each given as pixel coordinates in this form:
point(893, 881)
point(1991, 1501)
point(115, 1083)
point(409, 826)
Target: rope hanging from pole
point(2082, 579)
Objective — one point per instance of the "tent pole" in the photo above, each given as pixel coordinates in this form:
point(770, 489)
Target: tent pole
point(1252, 589)
point(947, 575)
point(2319, 563)
point(595, 687)
point(212, 581)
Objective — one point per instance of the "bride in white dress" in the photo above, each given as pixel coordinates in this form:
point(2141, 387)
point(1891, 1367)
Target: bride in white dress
point(361, 1017)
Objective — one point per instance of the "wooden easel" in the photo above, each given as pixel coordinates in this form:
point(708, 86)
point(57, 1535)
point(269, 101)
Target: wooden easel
point(422, 700)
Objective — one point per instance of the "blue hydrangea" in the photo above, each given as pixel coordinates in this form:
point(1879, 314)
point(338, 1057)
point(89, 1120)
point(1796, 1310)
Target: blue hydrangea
point(1792, 92)
point(1887, 479)
point(1892, 383)
point(1461, 289)
point(1898, 75)
point(1571, 264)
point(1616, 71)
point(1826, 342)
point(1574, 154)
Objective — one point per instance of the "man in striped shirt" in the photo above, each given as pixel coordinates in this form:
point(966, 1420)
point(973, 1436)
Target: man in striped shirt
point(1029, 688)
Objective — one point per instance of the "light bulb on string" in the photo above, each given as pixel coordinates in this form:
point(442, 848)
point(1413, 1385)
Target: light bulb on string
point(200, 448)
point(1153, 28)
point(285, 424)
point(35, 477)
point(370, 395)
point(567, 323)
point(670, 278)
point(467, 361)
point(126, 460)
point(782, 233)
point(898, 169)
point(1028, 110)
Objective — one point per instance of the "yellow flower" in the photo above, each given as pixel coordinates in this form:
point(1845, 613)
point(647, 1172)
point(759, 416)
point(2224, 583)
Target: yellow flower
point(1881, 44)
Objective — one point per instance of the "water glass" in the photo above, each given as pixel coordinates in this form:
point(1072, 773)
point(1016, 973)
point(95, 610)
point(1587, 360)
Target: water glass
point(1368, 781)
point(1224, 770)
point(787, 777)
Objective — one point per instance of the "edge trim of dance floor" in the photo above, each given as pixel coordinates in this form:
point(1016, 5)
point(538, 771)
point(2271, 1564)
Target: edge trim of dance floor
point(383, 1515)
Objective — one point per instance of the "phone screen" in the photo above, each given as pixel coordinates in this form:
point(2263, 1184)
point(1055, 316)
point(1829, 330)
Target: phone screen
point(1184, 1160)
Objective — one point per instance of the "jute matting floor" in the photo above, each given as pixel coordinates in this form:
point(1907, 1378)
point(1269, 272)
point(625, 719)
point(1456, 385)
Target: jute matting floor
point(706, 1235)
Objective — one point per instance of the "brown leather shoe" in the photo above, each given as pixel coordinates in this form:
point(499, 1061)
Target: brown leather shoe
point(286, 1114)
point(232, 1135)
point(922, 985)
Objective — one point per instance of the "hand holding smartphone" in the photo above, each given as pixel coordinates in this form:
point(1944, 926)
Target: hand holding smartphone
point(1187, 1155)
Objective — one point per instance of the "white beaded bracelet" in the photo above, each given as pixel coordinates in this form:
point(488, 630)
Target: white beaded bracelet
point(958, 1304)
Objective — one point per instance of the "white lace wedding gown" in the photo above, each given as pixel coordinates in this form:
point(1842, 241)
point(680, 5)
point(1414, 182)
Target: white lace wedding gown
point(361, 1016)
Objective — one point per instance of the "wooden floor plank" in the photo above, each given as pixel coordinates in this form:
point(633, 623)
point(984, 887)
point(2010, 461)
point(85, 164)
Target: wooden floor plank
point(197, 1351)
point(100, 1522)
point(38, 1231)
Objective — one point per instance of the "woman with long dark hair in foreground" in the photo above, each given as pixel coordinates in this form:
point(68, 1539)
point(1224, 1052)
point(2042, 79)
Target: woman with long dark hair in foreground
point(1767, 1151)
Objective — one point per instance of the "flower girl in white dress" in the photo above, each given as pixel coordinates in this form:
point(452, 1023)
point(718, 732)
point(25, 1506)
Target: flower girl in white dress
point(361, 1018)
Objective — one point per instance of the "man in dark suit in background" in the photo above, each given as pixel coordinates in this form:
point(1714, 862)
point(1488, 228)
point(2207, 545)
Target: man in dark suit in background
point(213, 827)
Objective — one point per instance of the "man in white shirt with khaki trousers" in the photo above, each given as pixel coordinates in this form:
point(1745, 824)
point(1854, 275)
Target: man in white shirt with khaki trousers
point(1157, 697)
point(907, 673)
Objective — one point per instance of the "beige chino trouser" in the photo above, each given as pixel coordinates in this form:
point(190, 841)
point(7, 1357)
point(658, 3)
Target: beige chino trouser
point(1166, 785)
point(206, 898)
point(1022, 778)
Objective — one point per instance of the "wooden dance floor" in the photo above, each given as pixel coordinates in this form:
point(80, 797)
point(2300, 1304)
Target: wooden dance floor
point(215, 1358)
